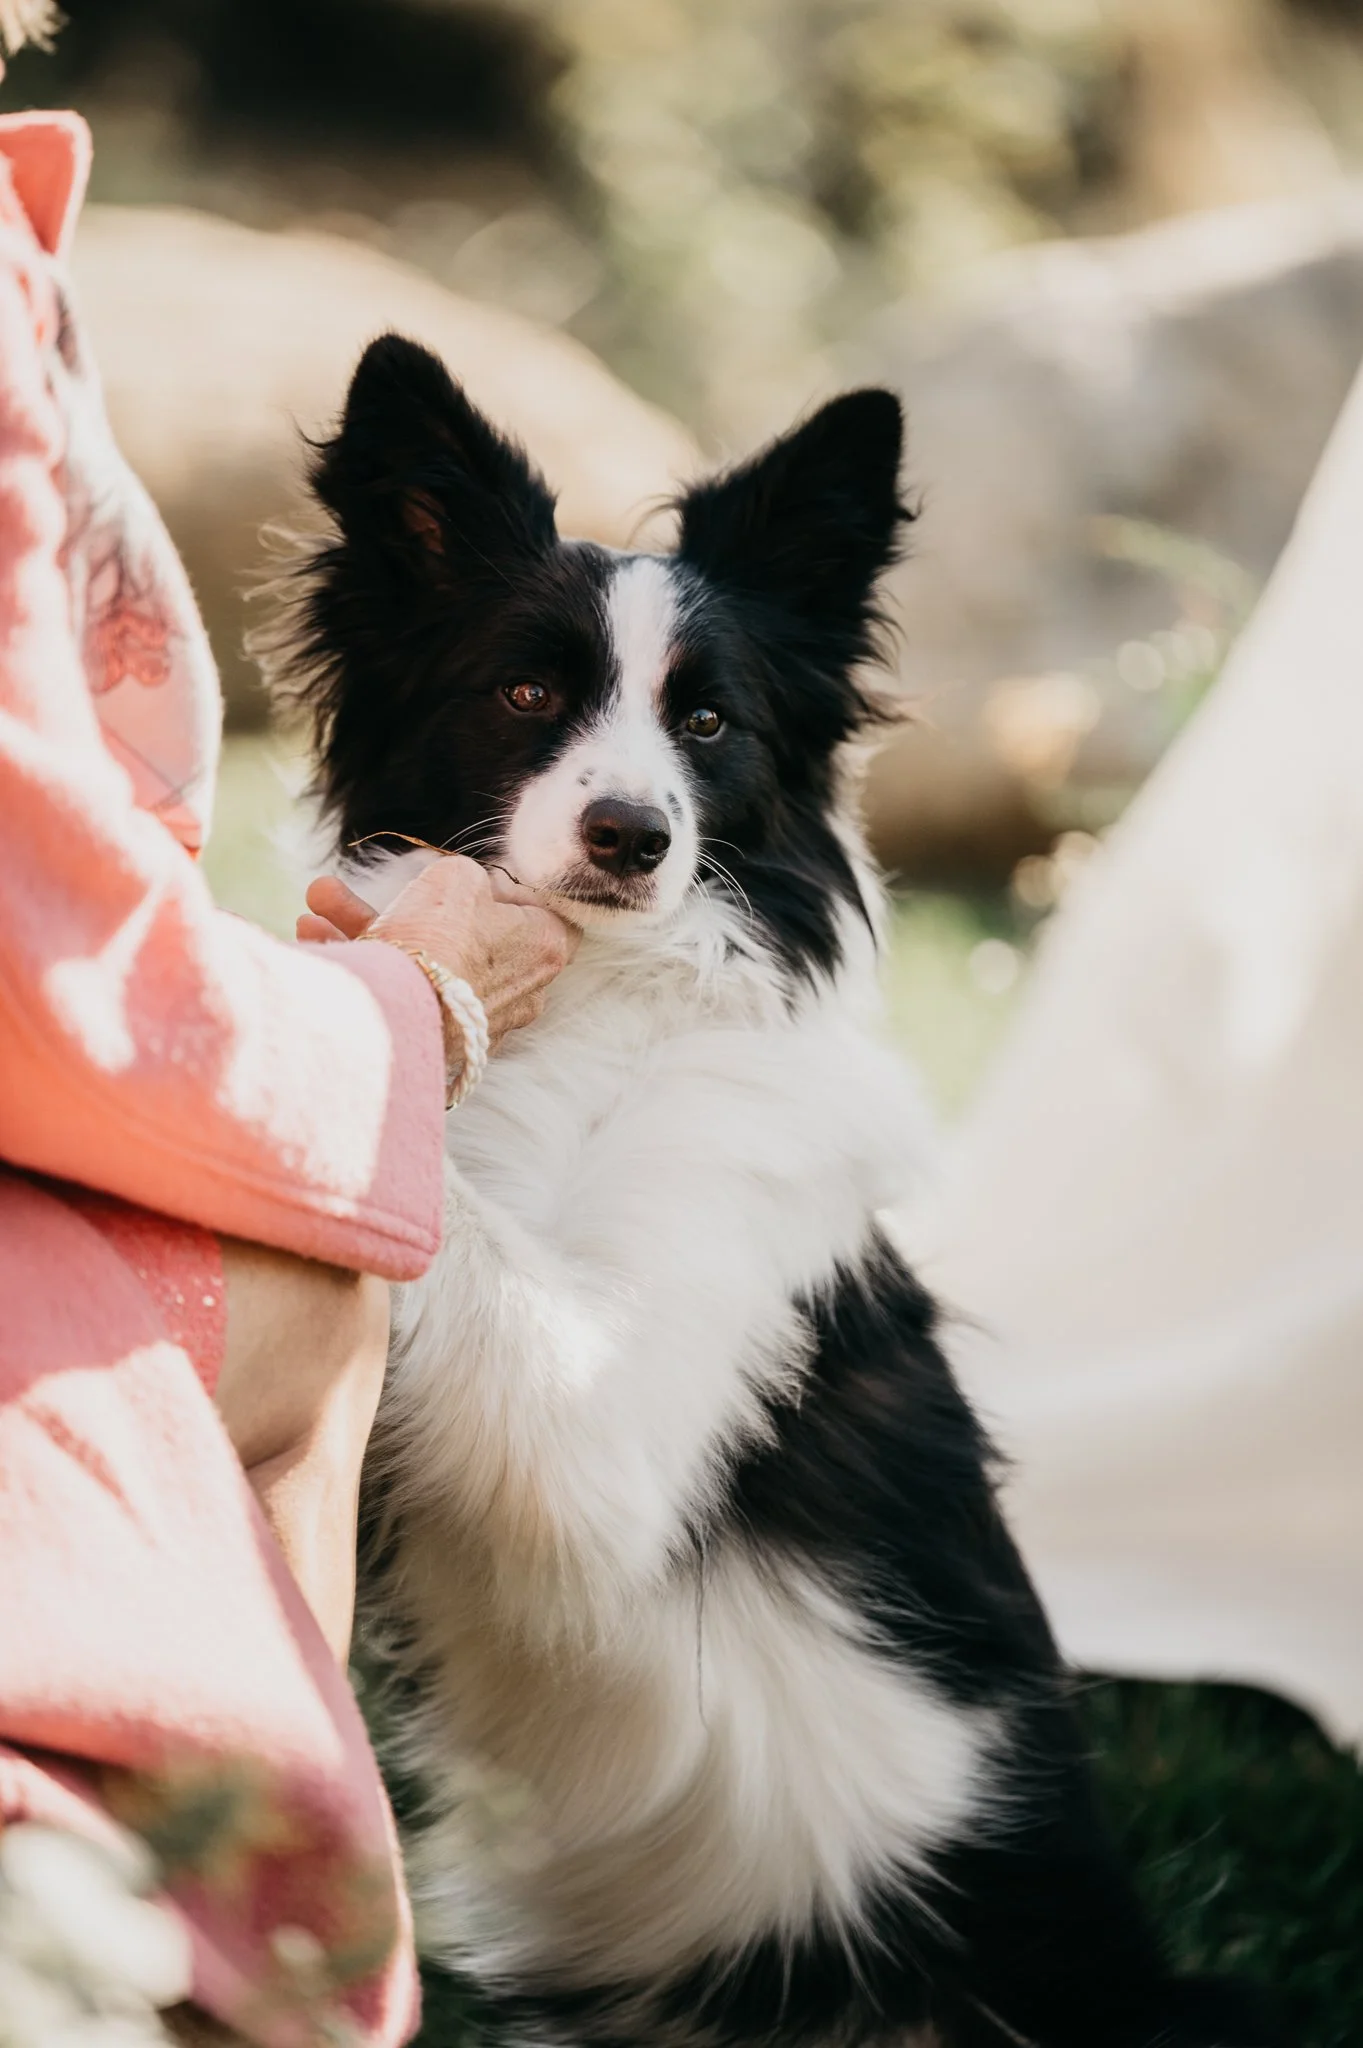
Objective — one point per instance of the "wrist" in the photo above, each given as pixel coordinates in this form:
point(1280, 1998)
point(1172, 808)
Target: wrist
point(463, 1019)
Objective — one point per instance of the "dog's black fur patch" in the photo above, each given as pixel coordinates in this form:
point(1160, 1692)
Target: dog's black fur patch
point(445, 578)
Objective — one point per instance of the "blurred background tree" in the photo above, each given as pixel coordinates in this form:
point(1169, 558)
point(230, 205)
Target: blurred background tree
point(713, 193)
point(767, 173)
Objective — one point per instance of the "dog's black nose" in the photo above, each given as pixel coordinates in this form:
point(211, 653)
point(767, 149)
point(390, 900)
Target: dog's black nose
point(624, 838)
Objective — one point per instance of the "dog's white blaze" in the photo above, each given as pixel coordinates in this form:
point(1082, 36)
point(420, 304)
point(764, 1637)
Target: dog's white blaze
point(627, 751)
point(631, 753)
point(642, 616)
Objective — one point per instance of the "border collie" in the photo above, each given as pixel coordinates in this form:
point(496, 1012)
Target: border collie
point(734, 1715)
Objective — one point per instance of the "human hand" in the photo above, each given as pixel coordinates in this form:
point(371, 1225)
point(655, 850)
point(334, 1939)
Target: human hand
point(475, 922)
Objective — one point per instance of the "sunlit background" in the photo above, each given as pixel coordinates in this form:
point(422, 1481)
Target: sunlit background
point(1111, 251)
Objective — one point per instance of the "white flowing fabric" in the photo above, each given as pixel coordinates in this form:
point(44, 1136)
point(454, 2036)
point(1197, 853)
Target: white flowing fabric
point(1153, 1217)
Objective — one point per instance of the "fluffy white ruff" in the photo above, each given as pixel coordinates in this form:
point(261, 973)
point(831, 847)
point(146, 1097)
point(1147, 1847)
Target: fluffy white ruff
point(633, 1762)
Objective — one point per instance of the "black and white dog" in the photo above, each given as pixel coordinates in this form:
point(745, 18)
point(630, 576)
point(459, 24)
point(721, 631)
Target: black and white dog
point(735, 1715)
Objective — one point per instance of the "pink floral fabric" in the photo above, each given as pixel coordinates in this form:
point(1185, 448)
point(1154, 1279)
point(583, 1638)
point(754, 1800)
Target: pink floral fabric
point(151, 1046)
point(157, 1662)
point(145, 653)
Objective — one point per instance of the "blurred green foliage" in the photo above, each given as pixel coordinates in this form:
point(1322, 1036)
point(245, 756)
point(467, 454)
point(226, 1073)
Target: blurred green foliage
point(1245, 1827)
point(246, 861)
point(954, 969)
point(762, 170)
point(713, 193)
point(710, 191)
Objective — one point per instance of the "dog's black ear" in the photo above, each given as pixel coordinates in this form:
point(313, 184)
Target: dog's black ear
point(434, 514)
point(810, 522)
point(416, 475)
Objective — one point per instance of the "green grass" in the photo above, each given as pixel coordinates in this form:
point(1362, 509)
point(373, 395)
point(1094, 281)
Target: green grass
point(1245, 1828)
point(246, 869)
point(1244, 1825)
point(946, 1007)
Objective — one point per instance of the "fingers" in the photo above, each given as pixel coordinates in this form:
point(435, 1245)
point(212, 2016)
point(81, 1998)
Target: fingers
point(506, 889)
point(515, 1015)
point(339, 906)
point(479, 923)
point(316, 931)
point(558, 940)
point(449, 879)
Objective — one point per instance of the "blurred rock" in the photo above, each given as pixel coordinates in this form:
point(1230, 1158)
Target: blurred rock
point(1184, 377)
point(220, 346)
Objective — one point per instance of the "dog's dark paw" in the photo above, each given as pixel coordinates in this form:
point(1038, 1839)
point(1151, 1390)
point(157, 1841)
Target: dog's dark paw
point(1215, 2012)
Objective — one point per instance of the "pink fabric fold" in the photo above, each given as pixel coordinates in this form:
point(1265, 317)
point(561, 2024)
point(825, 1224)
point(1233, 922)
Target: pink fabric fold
point(152, 1639)
point(49, 160)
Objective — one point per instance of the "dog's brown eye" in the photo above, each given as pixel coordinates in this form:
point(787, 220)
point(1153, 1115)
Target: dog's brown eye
point(704, 724)
point(527, 696)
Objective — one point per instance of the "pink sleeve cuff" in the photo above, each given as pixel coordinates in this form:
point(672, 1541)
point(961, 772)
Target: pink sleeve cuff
point(412, 1155)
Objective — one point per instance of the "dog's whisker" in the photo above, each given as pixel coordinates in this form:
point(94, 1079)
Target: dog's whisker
point(707, 860)
point(478, 838)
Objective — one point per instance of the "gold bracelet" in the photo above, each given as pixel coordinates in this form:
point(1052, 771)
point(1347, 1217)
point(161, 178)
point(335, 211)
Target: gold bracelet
point(463, 1021)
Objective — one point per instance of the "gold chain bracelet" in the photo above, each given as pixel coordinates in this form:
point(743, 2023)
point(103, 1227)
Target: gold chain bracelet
point(463, 1020)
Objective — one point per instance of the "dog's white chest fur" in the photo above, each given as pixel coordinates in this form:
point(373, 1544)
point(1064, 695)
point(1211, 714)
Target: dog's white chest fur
point(636, 1756)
